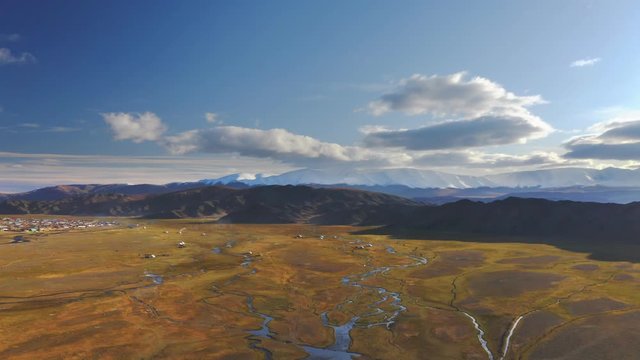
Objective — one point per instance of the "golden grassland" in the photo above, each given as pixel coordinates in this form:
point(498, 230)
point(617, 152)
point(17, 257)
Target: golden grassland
point(88, 295)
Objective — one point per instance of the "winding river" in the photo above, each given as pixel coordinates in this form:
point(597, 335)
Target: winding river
point(157, 279)
point(480, 332)
point(381, 308)
point(483, 341)
point(505, 348)
point(383, 311)
point(264, 331)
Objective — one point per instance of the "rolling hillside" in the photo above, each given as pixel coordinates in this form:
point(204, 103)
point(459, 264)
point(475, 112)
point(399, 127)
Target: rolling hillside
point(265, 204)
point(304, 204)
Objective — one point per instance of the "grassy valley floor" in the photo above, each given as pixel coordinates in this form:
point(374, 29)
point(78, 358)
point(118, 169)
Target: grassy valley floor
point(259, 291)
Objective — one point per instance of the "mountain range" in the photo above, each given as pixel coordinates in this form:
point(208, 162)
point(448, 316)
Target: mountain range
point(427, 186)
point(59, 192)
point(576, 184)
point(417, 178)
point(608, 223)
point(262, 204)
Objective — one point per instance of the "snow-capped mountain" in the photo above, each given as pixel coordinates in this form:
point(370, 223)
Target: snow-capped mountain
point(408, 177)
point(416, 178)
point(551, 178)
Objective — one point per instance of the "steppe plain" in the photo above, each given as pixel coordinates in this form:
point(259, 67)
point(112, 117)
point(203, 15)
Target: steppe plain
point(262, 291)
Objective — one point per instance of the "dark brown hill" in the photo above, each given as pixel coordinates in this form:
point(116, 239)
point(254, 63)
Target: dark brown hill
point(530, 217)
point(303, 204)
point(266, 204)
point(60, 192)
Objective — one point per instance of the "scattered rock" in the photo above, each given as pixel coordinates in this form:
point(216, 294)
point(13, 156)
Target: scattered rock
point(19, 239)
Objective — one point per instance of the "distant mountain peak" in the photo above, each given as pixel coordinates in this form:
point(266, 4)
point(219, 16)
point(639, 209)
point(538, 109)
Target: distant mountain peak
point(419, 178)
point(415, 178)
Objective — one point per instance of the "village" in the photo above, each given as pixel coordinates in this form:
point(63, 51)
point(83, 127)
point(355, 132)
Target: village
point(33, 225)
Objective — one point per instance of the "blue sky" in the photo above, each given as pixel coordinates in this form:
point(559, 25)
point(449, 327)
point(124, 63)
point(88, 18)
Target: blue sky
point(71, 70)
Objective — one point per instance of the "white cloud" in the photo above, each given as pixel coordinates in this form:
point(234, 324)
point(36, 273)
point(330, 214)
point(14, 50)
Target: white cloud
point(32, 128)
point(401, 147)
point(10, 37)
point(600, 150)
point(585, 62)
point(211, 117)
point(480, 112)
point(307, 151)
point(277, 144)
point(372, 129)
point(23, 171)
point(475, 159)
point(7, 57)
point(135, 127)
point(478, 132)
point(61, 129)
point(273, 143)
point(452, 96)
point(612, 140)
point(29, 125)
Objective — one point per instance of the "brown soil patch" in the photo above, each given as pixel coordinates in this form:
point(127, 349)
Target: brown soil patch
point(586, 267)
point(593, 306)
point(449, 263)
point(623, 277)
point(511, 283)
point(532, 327)
point(447, 335)
point(531, 260)
point(595, 338)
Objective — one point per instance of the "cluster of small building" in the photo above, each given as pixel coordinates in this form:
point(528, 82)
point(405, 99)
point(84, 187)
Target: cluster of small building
point(356, 245)
point(321, 237)
point(360, 245)
point(48, 224)
point(181, 245)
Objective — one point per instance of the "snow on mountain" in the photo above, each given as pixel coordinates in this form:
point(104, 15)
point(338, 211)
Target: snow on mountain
point(243, 177)
point(408, 177)
point(416, 178)
point(568, 177)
